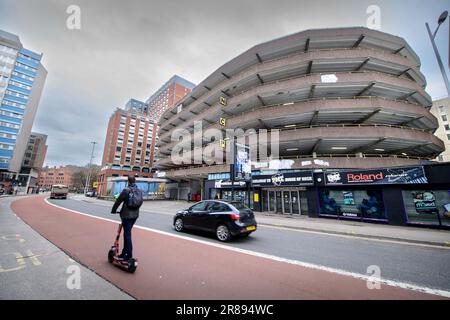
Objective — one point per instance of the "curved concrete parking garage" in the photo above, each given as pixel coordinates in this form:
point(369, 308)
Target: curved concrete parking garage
point(348, 102)
point(378, 97)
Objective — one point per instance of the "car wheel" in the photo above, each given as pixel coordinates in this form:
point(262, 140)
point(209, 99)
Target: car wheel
point(179, 225)
point(223, 233)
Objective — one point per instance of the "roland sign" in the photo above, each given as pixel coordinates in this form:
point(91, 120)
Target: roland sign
point(403, 175)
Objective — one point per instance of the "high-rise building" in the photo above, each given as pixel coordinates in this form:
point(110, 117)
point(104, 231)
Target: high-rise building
point(441, 110)
point(129, 144)
point(168, 96)
point(36, 151)
point(22, 79)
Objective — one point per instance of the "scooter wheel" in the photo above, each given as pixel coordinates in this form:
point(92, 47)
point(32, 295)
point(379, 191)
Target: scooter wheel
point(111, 255)
point(132, 266)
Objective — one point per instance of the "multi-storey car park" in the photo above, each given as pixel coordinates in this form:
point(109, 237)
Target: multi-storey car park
point(343, 99)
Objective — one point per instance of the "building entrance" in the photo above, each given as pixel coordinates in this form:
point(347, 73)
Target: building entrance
point(284, 201)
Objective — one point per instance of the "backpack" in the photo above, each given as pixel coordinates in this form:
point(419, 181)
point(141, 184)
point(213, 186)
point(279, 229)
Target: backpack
point(135, 198)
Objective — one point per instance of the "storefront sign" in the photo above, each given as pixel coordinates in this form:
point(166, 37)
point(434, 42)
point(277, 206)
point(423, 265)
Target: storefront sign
point(218, 184)
point(414, 175)
point(283, 179)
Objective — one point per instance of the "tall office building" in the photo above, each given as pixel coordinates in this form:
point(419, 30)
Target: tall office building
point(22, 79)
point(36, 151)
point(168, 95)
point(441, 110)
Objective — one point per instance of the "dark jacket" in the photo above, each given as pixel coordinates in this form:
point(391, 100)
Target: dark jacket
point(125, 212)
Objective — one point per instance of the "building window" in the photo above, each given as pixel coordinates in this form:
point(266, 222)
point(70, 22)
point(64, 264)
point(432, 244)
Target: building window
point(444, 118)
point(447, 127)
point(440, 158)
point(441, 108)
point(448, 136)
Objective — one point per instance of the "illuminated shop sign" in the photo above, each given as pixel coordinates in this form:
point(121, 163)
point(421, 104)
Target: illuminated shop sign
point(283, 179)
point(408, 175)
point(218, 184)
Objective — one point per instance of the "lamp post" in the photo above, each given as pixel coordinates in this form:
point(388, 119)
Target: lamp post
point(88, 178)
point(441, 19)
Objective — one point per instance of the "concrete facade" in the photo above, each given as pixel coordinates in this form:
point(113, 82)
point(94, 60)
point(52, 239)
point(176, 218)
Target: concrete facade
point(352, 97)
point(441, 110)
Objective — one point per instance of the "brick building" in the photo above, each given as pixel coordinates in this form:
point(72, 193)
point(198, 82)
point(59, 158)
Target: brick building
point(51, 176)
point(129, 145)
point(168, 96)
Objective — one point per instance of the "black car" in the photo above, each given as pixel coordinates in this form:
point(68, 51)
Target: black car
point(225, 218)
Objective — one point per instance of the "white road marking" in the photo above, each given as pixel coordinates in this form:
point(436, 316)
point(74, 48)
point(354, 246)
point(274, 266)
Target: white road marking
point(364, 277)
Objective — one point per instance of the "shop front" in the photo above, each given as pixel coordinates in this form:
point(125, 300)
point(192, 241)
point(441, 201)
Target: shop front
point(222, 189)
point(283, 192)
point(427, 206)
point(360, 194)
point(418, 195)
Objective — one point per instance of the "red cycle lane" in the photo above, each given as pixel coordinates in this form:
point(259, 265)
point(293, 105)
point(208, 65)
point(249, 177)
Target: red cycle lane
point(175, 268)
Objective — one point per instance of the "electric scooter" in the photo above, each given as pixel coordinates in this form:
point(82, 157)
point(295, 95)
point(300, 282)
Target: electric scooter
point(128, 265)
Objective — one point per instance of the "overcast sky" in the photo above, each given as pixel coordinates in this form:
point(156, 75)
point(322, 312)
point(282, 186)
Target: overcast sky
point(130, 48)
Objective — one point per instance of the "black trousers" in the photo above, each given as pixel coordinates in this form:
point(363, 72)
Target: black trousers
point(127, 251)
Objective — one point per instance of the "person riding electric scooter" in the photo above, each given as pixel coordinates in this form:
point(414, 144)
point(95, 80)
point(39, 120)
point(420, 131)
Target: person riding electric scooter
point(132, 199)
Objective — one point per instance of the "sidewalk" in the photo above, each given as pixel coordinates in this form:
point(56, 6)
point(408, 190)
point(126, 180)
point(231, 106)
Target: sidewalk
point(329, 226)
point(33, 268)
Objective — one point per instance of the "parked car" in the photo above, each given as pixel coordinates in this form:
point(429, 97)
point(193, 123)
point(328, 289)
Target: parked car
point(226, 219)
point(59, 191)
point(91, 193)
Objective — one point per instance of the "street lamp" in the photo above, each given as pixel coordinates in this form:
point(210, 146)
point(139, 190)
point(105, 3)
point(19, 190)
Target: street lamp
point(441, 20)
point(88, 178)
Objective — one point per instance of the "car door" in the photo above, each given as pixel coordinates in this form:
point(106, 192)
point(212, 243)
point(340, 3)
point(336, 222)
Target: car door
point(217, 212)
point(198, 213)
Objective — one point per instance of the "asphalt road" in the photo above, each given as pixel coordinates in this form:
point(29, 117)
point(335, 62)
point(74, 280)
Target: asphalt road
point(419, 265)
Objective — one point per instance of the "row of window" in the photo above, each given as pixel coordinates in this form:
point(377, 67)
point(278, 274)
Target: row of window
point(11, 114)
point(17, 94)
point(20, 85)
point(24, 66)
point(21, 55)
point(8, 135)
point(5, 146)
point(9, 125)
point(14, 104)
point(23, 76)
